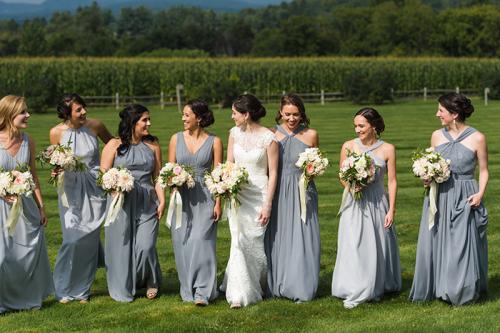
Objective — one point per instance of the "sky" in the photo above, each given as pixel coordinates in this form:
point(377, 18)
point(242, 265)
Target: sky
point(23, 1)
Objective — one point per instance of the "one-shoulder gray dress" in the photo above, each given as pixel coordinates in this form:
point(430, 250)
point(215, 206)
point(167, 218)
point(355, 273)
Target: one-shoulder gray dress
point(25, 276)
point(452, 257)
point(194, 242)
point(292, 246)
point(130, 250)
point(367, 264)
point(78, 257)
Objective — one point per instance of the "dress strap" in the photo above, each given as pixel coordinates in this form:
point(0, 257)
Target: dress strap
point(366, 149)
point(468, 131)
point(299, 129)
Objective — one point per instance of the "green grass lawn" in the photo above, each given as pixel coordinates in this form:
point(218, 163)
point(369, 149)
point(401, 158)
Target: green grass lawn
point(408, 126)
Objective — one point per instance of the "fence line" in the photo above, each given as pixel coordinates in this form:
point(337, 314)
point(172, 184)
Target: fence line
point(321, 97)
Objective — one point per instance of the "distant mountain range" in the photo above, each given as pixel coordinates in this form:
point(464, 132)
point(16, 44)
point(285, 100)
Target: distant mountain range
point(20, 11)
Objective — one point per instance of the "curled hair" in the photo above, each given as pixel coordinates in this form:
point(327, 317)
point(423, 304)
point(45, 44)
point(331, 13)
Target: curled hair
point(66, 103)
point(248, 103)
point(10, 107)
point(374, 119)
point(295, 100)
point(202, 112)
point(129, 116)
point(457, 103)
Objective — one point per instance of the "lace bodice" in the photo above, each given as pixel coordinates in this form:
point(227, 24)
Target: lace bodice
point(249, 150)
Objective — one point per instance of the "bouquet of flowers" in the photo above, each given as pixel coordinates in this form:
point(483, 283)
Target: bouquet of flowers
point(226, 181)
point(61, 157)
point(174, 175)
point(312, 163)
point(357, 170)
point(431, 167)
point(118, 180)
point(17, 182)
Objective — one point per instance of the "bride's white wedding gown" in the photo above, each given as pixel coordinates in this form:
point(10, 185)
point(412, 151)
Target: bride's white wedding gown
point(246, 269)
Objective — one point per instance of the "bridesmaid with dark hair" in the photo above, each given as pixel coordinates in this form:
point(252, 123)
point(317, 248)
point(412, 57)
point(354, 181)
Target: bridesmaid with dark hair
point(194, 242)
point(452, 257)
point(25, 276)
point(131, 257)
point(83, 207)
point(367, 264)
point(292, 245)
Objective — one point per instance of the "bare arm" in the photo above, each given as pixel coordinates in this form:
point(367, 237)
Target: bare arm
point(55, 135)
point(230, 143)
point(38, 191)
point(272, 163)
point(392, 185)
point(218, 157)
point(482, 158)
point(315, 139)
point(108, 154)
point(171, 149)
point(160, 192)
point(99, 129)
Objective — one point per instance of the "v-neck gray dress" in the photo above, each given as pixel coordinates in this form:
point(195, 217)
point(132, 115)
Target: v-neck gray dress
point(25, 276)
point(130, 250)
point(367, 264)
point(78, 257)
point(292, 246)
point(452, 257)
point(194, 242)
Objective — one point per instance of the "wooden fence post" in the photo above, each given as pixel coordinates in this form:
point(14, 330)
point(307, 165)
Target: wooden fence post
point(117, 101)
point(162, 100)
point(425, 93)
point(322, 97)
point(178, 89)
point(457, 90)
point(486, 92)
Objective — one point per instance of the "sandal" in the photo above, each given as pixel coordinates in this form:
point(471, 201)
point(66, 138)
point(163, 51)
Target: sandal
point(235, 306)
point(151, 293)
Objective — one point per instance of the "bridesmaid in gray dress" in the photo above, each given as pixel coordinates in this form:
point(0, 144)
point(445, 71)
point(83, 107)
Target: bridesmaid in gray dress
point(130, 250)
point(452, 257)
point(194, 242)
point(367, 264)
point(83, 213)
point(292, 245)
point(25, 277)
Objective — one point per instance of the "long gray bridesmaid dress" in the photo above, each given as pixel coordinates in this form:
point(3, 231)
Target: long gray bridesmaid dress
point(452, 257)
point(25, 276)
point(194, 242)
point(78, 257)
point(367, 264)
point(292, 247)
point(130, 250)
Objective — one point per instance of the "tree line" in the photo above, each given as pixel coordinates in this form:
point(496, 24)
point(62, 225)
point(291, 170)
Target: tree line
point(298, 28)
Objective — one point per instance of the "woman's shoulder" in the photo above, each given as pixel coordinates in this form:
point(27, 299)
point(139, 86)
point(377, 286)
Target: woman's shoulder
point(114, 142)
point(349, 144)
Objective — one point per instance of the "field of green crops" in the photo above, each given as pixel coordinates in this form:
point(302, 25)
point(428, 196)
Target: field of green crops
point(139, 76)
point(408, 126)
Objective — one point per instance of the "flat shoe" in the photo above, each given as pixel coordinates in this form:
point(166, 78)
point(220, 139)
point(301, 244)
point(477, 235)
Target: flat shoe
point(151, 293)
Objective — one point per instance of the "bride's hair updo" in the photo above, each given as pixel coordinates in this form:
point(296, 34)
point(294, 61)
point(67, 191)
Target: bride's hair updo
point(457, 103)
point(248, 103)
point(373, 117)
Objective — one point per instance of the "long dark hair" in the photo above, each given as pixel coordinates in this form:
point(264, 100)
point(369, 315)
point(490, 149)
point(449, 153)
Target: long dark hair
point(295, 100)
point(129, 116)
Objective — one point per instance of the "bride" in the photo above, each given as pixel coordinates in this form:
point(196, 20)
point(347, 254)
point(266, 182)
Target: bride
point(254, 147)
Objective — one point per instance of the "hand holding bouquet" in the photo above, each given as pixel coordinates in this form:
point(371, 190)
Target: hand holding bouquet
point(115, 180)
point(174, 175)
point(357, 170)
point(430, 166)
point(226, 180)
point(312, 163)
point(16, 183)
point(62, 158)
point(433, 169)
